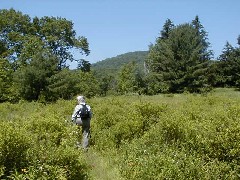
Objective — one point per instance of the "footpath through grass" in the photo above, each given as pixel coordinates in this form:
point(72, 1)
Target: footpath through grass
point(101, 168)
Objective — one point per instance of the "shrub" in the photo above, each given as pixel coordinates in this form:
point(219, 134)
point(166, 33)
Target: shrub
point(14, 146)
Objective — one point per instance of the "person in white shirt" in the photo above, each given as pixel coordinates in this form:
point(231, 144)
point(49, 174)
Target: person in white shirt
point(82, 115)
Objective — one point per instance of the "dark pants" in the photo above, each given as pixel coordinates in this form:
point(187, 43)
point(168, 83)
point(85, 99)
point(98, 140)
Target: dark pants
point(85, 124)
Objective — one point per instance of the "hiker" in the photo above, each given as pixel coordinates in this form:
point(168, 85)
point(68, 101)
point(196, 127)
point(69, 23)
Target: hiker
point(82, 115)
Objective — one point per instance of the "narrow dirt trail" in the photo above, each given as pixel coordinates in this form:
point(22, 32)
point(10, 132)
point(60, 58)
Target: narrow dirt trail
point(102, 168)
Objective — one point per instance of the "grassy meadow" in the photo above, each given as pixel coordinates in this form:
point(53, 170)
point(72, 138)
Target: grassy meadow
point(170, 136)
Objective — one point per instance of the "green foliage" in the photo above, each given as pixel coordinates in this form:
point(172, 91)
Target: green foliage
point(87, 84)
point(59, 36)
point(111, 66)
point(128, 79)
point(62, 85)
point(32, 79)
point(167, 27)
point(68, 83)
point(84, 65)
point(34, 49)
point(229, 66)
point(113, 76)
point(14, 145)
point(38, 142)
point(106, 84)
point(177, 137)
point(14, 27)
point(5, 80)
point(187, 136)
point(155, 84)
point(120, 121)
point(179, 60)
point(203, 39)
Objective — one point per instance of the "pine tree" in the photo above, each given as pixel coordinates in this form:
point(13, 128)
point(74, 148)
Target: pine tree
point(229, 66)
point(167, 27)
point(180, 62)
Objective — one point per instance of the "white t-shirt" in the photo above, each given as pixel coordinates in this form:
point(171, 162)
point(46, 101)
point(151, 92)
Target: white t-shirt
point(77, 108)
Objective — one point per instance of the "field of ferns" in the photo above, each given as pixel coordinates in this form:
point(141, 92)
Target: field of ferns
point(170, 136)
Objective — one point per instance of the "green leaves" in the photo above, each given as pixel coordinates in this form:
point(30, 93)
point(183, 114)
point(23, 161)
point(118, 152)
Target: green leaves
point(13, 148)
point(35, 49)
point(181, 136)
point(68, 83)
point(129, 79)
point(32, 79)
point(193, 137)
point(36, 142)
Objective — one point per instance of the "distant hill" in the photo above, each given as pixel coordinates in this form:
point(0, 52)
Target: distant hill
point(111, 66)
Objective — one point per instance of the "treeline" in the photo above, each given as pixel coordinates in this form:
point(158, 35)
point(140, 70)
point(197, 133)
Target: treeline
point(180, 60)
point(34, 53)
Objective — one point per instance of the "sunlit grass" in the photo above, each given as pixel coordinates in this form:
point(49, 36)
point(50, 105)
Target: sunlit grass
point(182, 136)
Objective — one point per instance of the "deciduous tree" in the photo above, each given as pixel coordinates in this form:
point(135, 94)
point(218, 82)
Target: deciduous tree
point(37, 49)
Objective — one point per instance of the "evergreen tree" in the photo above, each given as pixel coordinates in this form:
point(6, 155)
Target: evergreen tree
point(159, 63)
point(32, 80)
point(68, 83)
point(180, 62)
point(62, 85)
point(229, 66)
point(203, 39)
point(167, 27)
point(226, 52)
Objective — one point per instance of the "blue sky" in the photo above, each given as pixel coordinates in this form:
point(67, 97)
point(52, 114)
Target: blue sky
point(115, 27)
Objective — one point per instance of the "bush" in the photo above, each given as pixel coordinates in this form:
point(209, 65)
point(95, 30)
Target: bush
point(146, 137)
point(38, 142)
point(14, 146)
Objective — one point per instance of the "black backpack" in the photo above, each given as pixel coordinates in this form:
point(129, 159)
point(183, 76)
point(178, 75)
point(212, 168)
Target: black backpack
point(83, 111)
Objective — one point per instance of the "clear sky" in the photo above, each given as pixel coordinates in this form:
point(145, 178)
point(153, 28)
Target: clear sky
point(114, 27)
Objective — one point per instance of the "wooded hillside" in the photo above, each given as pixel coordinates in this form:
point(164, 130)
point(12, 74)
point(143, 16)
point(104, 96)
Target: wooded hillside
point(111, 66)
